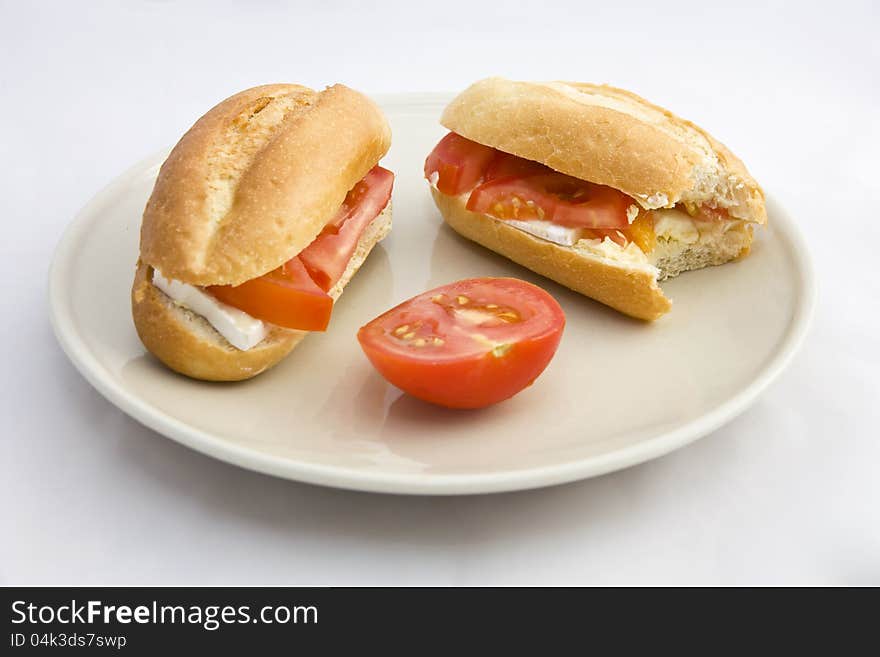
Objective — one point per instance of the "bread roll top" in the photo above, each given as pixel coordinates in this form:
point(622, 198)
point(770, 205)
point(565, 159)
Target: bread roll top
point(254, 181)
point(607, 136)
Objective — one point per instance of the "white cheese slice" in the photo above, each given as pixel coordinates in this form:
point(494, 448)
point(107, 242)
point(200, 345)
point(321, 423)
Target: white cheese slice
point(603, 249)
point(240, 329)
point(546, 230)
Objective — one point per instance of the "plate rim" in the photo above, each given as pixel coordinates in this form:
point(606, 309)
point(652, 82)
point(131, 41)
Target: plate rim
point(351, 478)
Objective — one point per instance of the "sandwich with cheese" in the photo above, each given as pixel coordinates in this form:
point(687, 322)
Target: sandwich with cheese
point(592, 187)
point(260, 215)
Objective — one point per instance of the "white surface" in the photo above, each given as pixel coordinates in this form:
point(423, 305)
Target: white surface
point(325, 416)
point(787, 493)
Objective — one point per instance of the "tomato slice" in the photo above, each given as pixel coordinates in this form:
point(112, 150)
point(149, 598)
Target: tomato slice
point(329, 254)
point(286, 296)
point(468, 344)
point(504, 165)
point(506, 186)
point(295, 295)
point(555, 197)
point(459, 164)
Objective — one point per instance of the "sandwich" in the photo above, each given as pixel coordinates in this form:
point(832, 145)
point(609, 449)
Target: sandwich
point(592, 187)
point(259, 217)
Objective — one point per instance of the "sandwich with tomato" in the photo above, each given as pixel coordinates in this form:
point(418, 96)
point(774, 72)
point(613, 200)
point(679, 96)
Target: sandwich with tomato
point(592, 187)
point(259, 217)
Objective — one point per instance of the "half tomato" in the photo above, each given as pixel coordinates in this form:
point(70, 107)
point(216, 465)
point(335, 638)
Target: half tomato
point(467, 344)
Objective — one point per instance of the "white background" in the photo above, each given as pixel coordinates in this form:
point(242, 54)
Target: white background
point(787, 493)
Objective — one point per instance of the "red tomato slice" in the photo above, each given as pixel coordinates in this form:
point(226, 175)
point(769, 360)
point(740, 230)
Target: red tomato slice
point(286, 296)
point(505, 164)
point(459, 164)
point(328, 255)
point(555, 197)
point(467, 344)
point(295, 295)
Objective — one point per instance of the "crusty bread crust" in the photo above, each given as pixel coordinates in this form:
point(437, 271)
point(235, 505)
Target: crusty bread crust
point(630, 290)
point(607, 136)
point(188, 344)
point(256, 179)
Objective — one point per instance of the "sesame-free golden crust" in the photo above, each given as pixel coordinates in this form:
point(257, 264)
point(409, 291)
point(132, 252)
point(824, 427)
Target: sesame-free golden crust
point(256, 179)
point(633, 291)
point(608, 136)
point(187, 344)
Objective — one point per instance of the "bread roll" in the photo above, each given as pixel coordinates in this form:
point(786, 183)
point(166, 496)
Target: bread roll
point(247, 188)
point(188, 344)
point(611, 137)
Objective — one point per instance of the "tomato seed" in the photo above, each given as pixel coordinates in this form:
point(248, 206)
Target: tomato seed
point(499, 350)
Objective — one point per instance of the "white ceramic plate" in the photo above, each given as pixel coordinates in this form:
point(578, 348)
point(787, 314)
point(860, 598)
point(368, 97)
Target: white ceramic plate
point(618, 392)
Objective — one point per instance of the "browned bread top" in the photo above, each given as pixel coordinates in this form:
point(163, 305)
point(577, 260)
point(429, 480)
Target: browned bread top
point(255, 180)
point(608, 136)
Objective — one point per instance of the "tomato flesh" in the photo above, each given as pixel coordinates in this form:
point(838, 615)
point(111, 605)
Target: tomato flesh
point(505, 165)
point(295, 295)
point(554, 197)
point(457, 163)
point(506, 186)
point(468, 344)
point(327, 257)
point(286, 296)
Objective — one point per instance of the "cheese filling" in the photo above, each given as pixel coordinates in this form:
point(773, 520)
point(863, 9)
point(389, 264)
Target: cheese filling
point(673, 228)
point(670, 224)
point(547, 230)
point(609, 250)
point(673, 224)
point(240, 329)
